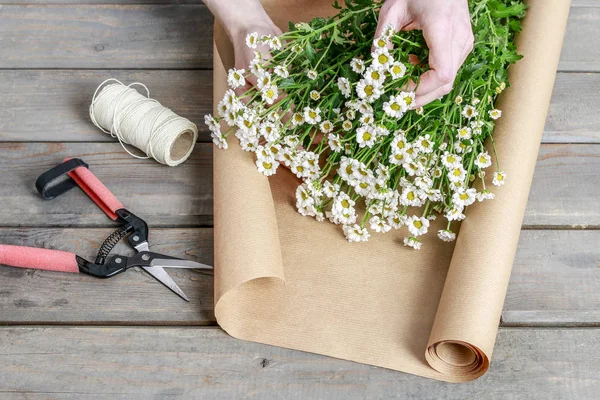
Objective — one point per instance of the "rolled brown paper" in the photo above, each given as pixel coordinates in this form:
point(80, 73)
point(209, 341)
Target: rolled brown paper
point(289, 281)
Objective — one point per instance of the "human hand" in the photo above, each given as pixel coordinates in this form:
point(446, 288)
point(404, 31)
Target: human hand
point(446, 27)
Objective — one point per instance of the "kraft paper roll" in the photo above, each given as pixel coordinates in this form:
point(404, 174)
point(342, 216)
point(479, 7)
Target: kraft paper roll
point(286, 280)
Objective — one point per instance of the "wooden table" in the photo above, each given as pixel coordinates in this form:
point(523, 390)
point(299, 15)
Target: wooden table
point(73, 336)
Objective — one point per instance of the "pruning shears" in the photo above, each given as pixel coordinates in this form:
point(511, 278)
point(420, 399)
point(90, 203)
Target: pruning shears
point(64, 177)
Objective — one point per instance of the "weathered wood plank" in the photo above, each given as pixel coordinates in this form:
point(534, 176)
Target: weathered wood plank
point(174, 36)
point(581, 48)
point(565, 187)
point(45, 297)
point(572, 116)
point(161, 195)
point(564, 191)
point(555, 281)
point(106, 36)
point(52, 105)
point(133, 363)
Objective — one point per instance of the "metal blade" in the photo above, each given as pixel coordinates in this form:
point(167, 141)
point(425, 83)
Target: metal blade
point(176, 263)
point(164, 278)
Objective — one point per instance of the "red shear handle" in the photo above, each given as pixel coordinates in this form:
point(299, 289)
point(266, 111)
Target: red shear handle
point(96, 190)
point(32, 257)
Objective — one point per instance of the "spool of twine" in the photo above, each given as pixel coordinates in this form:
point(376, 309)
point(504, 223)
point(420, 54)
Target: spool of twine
point(137, 120)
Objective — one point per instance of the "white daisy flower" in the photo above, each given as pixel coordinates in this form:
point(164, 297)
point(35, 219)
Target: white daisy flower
point(263, 79)
point(483, 160)
point(499, 178)
point(267, 165)
point(312, 116)
point(458, 99)
point(464, 133)
point(350, 115)
point(344, 86)
point(397, 70)
point(252, 40)
point(469, 112)
point(326, 126)
point(274, 43)
point(364, 107)
point(495, 113)
point(211, 122)
point(330, 190)
point(347, 125)
point(485, 195)
point(410, 197)
point(315, 95)
point(357, 65)
point(393, 107)
point(464, 198)
point(269, 94)
point(379, 225)
point(235, 78)
point(446, 235)
point(382, 58)
point(397, 221)
point(368, 90)
point(412, 242)
point(408, 100)
point(354, 233)
point(457, 173)
point(475, 101)
point(455, 214)
point(424, 144)
point(375, 75)
point(381, 42)
point(303, 197)
point(256, 67)
point(281, 71)
point(365, 136)
point(270, 131)
point(312, 74)
point(297, 119)
point(463, 146)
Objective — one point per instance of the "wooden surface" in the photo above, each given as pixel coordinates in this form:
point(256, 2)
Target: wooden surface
point(196, 363)
point(75, 337)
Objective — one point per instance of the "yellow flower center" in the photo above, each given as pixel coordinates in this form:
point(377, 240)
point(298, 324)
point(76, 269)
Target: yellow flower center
point(456, 172)
point(345, 203)
point(500, 177)
point(369, 90)
point(382, 58)
point(395, 106)
point(399, 157)
point(366, 136)
point(375, 75)
point(364, 185)
point(349, 170)
point(248, 123)
point(300, 168)
point(464, 196)
point(396, 70)
point(410, 196)
point(482, 160)
point(381, 43)
point(425, 143)
point(270, 93)
point(267, 165)
point(298, 117)
point(408, 100)
point(312, 114)
point(418, 224)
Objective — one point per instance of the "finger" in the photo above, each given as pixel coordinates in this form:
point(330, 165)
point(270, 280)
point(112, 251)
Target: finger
point(431, 96)
point(391, 14)
point(441, 62)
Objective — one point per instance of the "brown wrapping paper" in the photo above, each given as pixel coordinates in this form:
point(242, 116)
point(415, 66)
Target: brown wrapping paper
point(289, 281)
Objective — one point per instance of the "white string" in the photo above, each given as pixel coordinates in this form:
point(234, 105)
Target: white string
point(134, 119)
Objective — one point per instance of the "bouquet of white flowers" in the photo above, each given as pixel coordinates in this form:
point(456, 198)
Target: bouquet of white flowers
point(335, 107)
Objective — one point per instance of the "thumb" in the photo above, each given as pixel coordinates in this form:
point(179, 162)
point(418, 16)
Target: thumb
point(392, 14)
